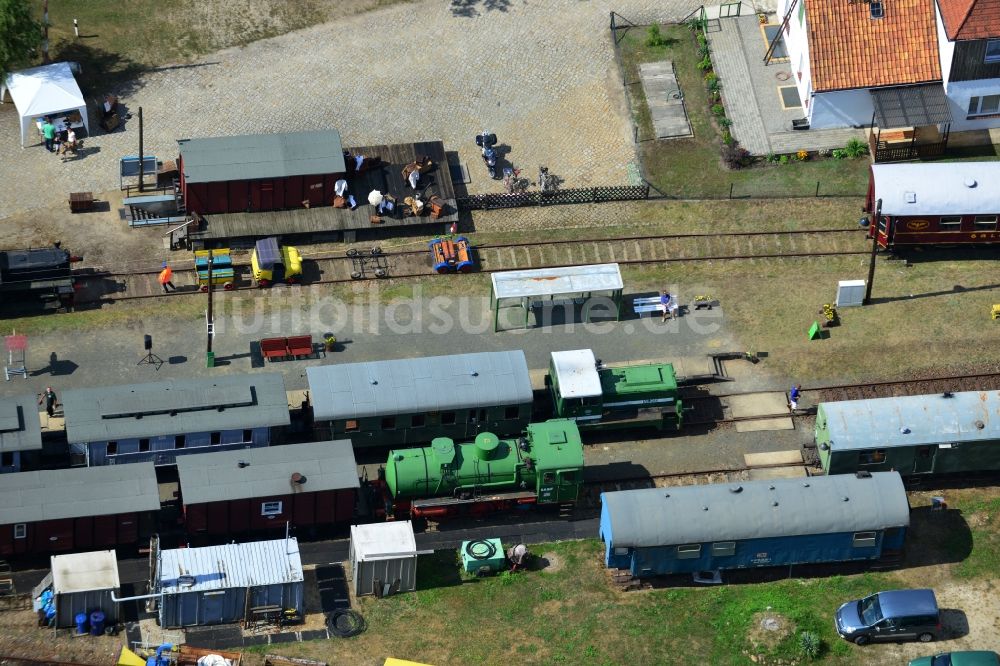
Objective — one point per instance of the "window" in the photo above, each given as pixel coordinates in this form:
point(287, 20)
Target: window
point(924, 451)
point(876, 9)
point(950, 223)
point(986, 221)
point(985, 105)
point(20, 530)
point(864, 540)
point(447, 418)
point(568, 477)
point(417, 421)
point(270, 508)
point(689, 551)
point(882, 224)
point(873, 457)
point(180, 441)
point(724, 549)
point(621, 551)
point(511, 412)
point(388, 423)
point(548, 477)
point(143, 445)
point(7, 459)
point(215, 438)
point(351, 426)
point(802, 11)
point(247, 436)
point(993, 50)
point(112, 448)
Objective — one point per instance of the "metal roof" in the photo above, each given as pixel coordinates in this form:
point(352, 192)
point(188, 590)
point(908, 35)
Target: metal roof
point(20, 425)
point(913, 420)
point(557, 281)
point(218, 476)
point(576, 373)
point(29, 497)
point(383, 541)
point(231, 566)
point(414, 385)
point(174, 407)
point(255, 156)
point(83, 572)
point(755, 509)
point(895, 603)
point(953, 188)
point(910, 106)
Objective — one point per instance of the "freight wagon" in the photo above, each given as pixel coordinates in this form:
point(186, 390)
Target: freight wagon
point(917, 436)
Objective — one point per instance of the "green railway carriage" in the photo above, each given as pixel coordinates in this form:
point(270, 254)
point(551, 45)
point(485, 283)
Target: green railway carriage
point(920, 435)
point(613, 398)
point(545, 466)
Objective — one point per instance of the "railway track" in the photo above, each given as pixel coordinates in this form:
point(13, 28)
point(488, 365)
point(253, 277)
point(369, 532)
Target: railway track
point(410, 264)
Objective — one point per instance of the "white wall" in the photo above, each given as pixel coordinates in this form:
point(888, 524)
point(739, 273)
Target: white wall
point(797, 44)
point(842, 108)
point(959, 93)
point(946, 49)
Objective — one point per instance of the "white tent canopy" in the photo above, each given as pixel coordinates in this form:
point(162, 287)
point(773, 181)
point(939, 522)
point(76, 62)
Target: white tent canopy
point(44, 91)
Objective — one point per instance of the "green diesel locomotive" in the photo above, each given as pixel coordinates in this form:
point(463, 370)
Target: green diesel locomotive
point(545, 466)
point(598, 397)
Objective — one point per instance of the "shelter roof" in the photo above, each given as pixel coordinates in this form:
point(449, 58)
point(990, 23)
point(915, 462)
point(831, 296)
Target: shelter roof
point(849, 49)
point(755, 510)
point(969, 416)
point(29, 497)
point(231, 566)
point(256, 156)
point(83, 572)
point(414, 385)
point(377, 541)
point(46, 89)
point(219, 476)
point(955, 188)
point(20, 425)
point(911, 106)
point(557, 281)
point(576, 373)
point(970, 19)
point(173, 407)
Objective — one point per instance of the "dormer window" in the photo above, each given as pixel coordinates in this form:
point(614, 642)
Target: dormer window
point(993, 50)
point(876, 9)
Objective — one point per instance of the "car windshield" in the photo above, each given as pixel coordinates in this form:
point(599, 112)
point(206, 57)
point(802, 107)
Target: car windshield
point(941, 660)
point(869, 610)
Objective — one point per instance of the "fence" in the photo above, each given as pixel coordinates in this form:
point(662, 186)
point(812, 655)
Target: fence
point(577, 195)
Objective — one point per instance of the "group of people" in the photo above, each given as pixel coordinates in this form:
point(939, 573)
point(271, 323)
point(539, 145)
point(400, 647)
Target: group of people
point(58, 142)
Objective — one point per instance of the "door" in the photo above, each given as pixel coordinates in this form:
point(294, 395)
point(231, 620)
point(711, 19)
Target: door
point(567, 485)
point(267, 195)
point(923, 459)
point(213, 607)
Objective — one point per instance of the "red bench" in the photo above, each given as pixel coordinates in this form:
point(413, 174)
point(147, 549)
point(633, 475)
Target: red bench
point(286, 348)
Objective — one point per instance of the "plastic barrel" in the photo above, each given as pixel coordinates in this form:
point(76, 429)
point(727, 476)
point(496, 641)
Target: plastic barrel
point(81, 623)
point(97, 623)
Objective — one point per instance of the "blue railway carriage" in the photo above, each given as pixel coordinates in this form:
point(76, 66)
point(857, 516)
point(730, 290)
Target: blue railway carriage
point(414, 400)
point(918, 436)
point(691, 529)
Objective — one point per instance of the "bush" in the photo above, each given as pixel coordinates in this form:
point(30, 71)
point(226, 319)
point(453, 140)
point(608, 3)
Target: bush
point(771, 158)
point(654, 37)
point(856, 148)
point(810, 644)
point(705, 63)
point(734, 156)
point(698, 24)
point(802, 155)
point(725, 123)
point(704, 51)
point(718, 110)
point(727, 138)
point(783, 159)
point(839, 153)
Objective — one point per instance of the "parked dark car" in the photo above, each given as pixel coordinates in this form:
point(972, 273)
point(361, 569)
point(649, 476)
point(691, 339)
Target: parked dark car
point(898, 615)
point(968, 658)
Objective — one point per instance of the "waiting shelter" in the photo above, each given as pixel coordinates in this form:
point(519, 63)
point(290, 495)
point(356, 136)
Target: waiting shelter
point(49, 90)
point(534, 288)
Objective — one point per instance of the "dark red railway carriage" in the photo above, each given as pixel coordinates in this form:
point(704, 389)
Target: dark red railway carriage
point(944, 203)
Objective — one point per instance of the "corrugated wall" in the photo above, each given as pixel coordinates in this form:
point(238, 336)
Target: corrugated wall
point(400, 574)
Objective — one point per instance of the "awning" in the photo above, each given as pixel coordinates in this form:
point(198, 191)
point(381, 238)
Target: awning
point(911, 106)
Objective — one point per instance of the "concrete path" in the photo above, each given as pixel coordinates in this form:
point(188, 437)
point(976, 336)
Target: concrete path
point(665, 99)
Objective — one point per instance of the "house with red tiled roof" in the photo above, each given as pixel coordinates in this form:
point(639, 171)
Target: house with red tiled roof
point(897, 66)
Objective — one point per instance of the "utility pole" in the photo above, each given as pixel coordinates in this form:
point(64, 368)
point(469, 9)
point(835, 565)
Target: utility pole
point(210, 321)
point(142, 177)
point(871, 263)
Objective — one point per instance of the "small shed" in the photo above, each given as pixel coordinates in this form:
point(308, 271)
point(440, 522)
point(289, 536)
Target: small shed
point(260, 172)
point(384, 558)
point(224, 584)
point(538, 286)
point(84, 583)
point(20, 430)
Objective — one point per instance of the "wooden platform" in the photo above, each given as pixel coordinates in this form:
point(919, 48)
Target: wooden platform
point(387, 178)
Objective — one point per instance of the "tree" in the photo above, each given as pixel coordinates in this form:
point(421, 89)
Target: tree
point(20, 35)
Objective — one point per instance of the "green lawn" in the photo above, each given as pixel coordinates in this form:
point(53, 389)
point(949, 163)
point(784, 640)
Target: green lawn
point(691, 168)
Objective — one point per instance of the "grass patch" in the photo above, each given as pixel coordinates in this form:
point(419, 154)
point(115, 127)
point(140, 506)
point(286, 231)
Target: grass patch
point(692, 168)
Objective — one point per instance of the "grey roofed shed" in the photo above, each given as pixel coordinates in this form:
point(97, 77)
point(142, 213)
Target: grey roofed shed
point(226, 402)
point(913, 420)
point(384, 558)
point(200, 586)
point(82, 583)
point(217, 477)
point(415, 385)
point(755, 509)
point(255, 156)
point(20, 425)
point(28, 497)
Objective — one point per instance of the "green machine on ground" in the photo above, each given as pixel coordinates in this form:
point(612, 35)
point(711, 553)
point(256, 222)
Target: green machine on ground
point(483, 557)
point(600, 397)
point(545, 466)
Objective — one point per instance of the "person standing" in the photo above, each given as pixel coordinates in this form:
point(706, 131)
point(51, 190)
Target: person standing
point(49, 134)
point(49, 398)
point(70, 143)
point(166, 275)
point(793, 397)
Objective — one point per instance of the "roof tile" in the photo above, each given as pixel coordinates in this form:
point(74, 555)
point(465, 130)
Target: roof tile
point(970, 19)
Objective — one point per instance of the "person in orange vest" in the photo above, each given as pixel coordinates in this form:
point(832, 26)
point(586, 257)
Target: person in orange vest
point(165, 276)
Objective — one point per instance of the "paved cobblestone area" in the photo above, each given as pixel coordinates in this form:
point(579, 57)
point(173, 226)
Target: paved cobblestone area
point(541, 75)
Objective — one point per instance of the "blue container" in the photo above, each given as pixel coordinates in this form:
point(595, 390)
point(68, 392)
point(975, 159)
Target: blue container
point(96, 623)
point(81, 623)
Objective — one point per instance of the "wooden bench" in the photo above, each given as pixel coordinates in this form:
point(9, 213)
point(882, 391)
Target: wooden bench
point(896, 136)
point(287, 348)
point(81, 201)
point(300, 345)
